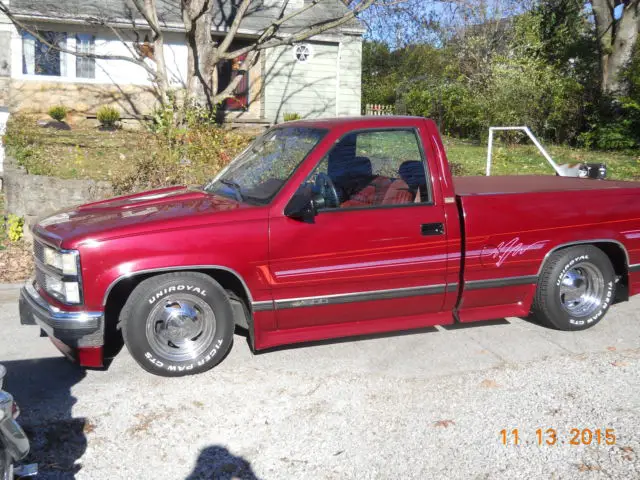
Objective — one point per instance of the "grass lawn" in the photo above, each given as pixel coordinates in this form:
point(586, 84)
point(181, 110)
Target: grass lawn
point(87, 152)
point(82, 152)
point(526, 159)
point(131, 160)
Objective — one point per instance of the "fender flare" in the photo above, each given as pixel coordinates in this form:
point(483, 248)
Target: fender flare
point(628, 266)
point(188, 268)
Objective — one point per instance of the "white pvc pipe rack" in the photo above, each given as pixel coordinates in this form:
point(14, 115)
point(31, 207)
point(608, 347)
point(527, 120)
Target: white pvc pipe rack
point(535, 141)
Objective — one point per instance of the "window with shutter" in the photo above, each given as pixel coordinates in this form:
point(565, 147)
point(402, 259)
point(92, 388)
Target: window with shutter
point(40, 55)
point(85, 66)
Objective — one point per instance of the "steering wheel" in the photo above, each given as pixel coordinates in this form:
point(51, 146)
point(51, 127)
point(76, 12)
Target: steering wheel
point(327, 189)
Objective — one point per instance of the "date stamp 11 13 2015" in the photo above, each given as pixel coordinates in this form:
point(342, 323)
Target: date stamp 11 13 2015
point(553, 436)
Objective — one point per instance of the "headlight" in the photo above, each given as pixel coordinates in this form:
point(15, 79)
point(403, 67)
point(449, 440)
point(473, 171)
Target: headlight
point(66, 262)
point(58, 273)
point(68, 292)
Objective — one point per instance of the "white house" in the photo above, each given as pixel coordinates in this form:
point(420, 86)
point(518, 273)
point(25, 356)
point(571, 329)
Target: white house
point(319, 77)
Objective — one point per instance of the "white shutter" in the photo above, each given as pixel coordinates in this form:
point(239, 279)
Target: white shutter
point(28, 54)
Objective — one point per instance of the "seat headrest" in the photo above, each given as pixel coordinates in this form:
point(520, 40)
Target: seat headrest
point(343, 163)
point(361, 167)
point(339, 169)
point(412, 172)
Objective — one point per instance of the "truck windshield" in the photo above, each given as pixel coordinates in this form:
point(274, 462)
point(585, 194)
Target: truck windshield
point(259, 172)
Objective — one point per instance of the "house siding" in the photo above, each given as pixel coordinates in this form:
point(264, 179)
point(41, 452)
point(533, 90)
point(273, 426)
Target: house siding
point(117, 82)
point(314, 88)
point(325, 86)
point(350, 99)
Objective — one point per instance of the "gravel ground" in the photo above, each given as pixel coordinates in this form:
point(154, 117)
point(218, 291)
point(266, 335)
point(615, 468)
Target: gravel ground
point(426, 405)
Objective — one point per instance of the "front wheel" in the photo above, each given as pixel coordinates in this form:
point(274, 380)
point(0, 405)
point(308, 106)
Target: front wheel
point(178, 324)
point(575, 289)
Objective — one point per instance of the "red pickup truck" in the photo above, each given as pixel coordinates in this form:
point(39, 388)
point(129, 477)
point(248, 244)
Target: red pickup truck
point(324, 229)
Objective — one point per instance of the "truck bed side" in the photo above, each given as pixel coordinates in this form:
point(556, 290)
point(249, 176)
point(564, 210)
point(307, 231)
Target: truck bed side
point(506, 237)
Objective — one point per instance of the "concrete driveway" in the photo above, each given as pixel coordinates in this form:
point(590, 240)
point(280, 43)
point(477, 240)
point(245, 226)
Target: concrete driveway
point(425, 405)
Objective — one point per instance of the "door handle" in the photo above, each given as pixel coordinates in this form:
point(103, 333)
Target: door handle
point(432, 229)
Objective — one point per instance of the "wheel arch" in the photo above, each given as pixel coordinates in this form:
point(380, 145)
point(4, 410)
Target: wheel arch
point(615, 251)
point(119, 290)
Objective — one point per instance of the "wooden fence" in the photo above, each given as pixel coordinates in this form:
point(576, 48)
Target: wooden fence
point(374, 109)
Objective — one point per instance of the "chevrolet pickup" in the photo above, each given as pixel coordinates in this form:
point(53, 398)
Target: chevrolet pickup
point(324, 229)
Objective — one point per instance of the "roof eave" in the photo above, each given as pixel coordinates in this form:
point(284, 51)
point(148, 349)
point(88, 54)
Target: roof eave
point(167, 27)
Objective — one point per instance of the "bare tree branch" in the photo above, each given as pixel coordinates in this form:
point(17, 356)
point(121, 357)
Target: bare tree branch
point(235, 25)
point(266, 41)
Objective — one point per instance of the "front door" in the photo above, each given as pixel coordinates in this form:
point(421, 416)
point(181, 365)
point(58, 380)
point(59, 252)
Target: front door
point(376, 250)
point(239, 101)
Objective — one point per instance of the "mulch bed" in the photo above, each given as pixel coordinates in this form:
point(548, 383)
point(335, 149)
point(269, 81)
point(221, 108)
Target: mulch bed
point(16, 262)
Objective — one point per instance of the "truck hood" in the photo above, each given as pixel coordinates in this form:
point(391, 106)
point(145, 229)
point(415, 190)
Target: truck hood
point(176, 207)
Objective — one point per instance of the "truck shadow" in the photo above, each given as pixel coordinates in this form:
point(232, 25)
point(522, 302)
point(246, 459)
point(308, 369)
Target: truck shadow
point(216, 462)
point(483, 323)
point(42, 389)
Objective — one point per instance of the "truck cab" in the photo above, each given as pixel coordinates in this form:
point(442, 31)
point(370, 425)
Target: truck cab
point(324, 229)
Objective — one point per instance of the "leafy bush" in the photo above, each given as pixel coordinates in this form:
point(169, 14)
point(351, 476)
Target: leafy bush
point(176, 116)
point(614, 136)
point(108, 116)
point(187, 157)
point(536, 69)
point(15, 229)
point(291, 116)
point(59, 112)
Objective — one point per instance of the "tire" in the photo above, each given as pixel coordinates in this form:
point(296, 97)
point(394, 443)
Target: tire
point(178, 324)
point(575, 289)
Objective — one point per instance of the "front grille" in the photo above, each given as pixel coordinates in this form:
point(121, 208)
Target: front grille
point(38, 254)
point(38, 251)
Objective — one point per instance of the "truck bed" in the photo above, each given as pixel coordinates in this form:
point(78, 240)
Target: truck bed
point(511, 222)
point(480, 185)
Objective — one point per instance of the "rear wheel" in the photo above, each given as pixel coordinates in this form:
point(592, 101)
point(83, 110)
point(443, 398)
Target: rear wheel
point(575, 289)
point(178, 324)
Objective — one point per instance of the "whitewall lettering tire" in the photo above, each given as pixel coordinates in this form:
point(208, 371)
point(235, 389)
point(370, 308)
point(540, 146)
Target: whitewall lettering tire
point(576, 287)
point(178, 324)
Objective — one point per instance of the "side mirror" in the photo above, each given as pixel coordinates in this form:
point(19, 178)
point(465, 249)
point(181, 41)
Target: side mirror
point(304, 205)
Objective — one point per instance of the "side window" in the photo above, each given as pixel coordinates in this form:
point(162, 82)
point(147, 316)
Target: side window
point(85, 66)
point(371, 169)
point(39, 58)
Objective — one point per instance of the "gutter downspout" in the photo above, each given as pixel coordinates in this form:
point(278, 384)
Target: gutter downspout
point(338, 79)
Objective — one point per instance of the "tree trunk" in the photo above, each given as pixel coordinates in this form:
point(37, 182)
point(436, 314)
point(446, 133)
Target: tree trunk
point(617, 38)
point(202, 77)
point(623, 45)
point(158, 51)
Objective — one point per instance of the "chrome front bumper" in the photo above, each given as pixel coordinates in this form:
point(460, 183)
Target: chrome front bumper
point(13, 439)
point(75, 329)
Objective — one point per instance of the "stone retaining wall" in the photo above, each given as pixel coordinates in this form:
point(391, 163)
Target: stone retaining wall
point(34, 196)
point(28, 96)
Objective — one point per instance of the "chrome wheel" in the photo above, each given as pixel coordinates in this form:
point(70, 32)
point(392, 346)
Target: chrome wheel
point(581, 289)
point(181, 327)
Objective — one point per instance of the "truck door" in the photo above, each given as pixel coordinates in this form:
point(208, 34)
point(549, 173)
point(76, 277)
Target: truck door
point(378, 248)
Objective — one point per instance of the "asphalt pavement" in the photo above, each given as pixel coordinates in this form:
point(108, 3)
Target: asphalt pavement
point(432, 404)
